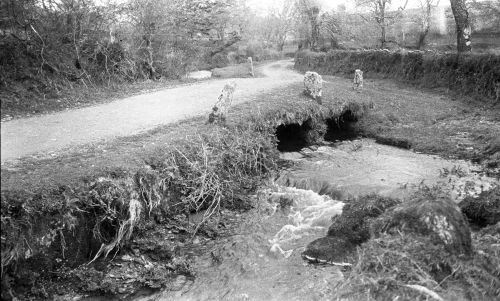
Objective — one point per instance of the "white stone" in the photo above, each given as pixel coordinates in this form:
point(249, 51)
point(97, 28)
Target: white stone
point(358, 79)
point(199, 74)
point(313, 85)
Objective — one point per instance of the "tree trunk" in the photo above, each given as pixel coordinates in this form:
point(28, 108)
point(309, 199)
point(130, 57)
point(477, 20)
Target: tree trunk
point(315, 30)
point(383, 24)
point(426, 25)
point(464, 29)
point(280, 46)
point(421, 39)
point(383, 39)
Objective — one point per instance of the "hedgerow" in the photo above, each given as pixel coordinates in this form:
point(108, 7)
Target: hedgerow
point(471, 74)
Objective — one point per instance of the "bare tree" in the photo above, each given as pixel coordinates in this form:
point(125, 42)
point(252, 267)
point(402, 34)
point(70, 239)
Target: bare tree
point(426, 7)
point(284, 21)
point(380, 13)
point(332, 27)
point(488, 12)
point(464, 29)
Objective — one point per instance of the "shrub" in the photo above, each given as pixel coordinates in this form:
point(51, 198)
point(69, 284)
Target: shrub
point(219, 60)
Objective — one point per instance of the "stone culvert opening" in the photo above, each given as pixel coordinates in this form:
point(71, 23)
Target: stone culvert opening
point(342, 127)
point(293, 137)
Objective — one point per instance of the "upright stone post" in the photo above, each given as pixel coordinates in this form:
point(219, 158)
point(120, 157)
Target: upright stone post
point(313, 86)
point(219, 111)
point(358, 80)
point(250, 62)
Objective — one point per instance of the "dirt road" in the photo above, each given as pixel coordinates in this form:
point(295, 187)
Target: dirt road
point(130, 115)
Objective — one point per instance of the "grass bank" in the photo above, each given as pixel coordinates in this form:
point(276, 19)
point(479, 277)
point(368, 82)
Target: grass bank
point(59, 213)
point(468, 74)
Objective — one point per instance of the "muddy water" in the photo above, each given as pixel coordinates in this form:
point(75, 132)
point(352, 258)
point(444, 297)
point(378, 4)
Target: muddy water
point(262, 261)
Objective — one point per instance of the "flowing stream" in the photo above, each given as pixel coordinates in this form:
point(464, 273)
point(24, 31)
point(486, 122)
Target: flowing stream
point(262, 260)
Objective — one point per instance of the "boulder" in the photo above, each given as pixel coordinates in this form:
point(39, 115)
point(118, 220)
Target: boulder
point(219, 111)
point(313, 85)
point(203, 74)
point(348, 230)
point(438, 218)
point(331, 250)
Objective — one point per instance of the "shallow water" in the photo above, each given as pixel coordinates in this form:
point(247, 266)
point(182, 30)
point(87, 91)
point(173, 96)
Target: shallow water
point(362, 166)
point(262, 261)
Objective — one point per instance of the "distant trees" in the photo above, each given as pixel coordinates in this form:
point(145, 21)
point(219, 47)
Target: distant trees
point(89, 41)
point(424, 17)
point(276, 26)
point(487, 12)
point(283, 18)
point(379, 10)
point(332, 27)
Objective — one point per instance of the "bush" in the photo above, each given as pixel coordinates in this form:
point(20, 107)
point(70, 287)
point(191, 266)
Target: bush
point(219, 60)
point(258, 52)
point(173, 65)
point(471, 74)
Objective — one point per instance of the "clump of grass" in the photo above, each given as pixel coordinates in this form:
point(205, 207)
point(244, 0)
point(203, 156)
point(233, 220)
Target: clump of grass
point(117, 210)
point(386, 265)
point(399, 266)
point(206, 171)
